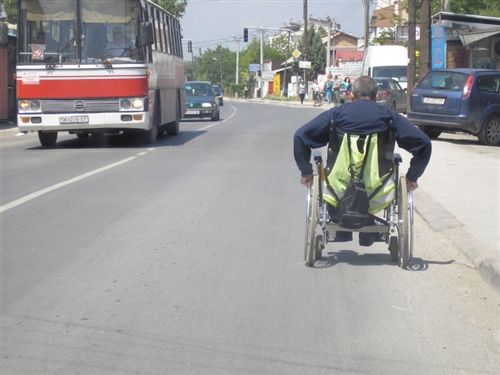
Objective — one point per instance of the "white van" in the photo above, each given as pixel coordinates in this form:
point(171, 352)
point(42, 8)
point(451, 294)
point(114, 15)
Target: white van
point(386, 61)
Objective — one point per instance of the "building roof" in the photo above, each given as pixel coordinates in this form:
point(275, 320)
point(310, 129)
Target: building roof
point(467, 18)
point(348, 55)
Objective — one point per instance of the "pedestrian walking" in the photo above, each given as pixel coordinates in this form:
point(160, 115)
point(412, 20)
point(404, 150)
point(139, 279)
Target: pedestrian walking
point(302, 92)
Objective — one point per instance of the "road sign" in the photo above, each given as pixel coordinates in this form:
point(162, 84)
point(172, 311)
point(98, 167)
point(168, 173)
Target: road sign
point(296, 53)
point(253, 67)
point(305, 64)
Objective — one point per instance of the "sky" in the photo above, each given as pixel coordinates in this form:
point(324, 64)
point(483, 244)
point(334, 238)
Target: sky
point(211, 22)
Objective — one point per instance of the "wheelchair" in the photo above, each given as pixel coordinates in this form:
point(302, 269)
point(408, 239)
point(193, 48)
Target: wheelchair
point(394, 224)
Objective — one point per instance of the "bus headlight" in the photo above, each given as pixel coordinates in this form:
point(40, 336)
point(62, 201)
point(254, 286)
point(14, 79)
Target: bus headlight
point(138, 104)
point(132, 104)
point(30, 106)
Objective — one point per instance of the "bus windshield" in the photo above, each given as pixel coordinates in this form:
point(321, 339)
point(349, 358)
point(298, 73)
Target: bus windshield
point(77, 32)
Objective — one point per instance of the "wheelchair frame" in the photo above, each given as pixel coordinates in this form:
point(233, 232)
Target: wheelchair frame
point(396, 223)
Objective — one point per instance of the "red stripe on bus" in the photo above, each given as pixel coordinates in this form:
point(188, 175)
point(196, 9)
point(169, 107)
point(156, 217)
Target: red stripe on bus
point(81, 88)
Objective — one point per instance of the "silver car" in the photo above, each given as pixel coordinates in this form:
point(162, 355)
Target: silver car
point(391, 94)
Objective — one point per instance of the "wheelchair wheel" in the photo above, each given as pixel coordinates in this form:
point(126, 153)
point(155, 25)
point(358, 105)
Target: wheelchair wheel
point(310, 245)
point(405, 218)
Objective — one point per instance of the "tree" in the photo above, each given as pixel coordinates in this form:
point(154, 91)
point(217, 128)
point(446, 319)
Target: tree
point(11, 10)
point(317, 53)
point(177, 8)
point(209, 65)
point(385, 37)
point(478, 7)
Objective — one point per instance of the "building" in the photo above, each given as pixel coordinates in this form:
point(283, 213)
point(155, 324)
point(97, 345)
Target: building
point(465, 41)
point(389, 19)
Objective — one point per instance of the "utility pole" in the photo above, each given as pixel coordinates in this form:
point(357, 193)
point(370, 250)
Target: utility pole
point(285, 89)
point(329, 27)
point(305, 40)
point(445, 5)
point(334, 58)
point(411, 48)
point(425, 37)
point(367, 21)
point(237, 76)
point(261, 62)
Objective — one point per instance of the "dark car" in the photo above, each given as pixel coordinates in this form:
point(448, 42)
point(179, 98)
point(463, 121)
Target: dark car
point(391, 94)
point(451, 100)
point(201, 101)
point(218, 94)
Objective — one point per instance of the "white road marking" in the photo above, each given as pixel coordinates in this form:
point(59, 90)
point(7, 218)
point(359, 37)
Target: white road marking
point(49, 189)
point(223, 121)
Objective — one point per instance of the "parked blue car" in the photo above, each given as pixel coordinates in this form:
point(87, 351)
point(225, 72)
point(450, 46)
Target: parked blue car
point(451, 100)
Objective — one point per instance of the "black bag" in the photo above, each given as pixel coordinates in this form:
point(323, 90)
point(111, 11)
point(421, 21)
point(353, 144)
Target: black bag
point(353, 206)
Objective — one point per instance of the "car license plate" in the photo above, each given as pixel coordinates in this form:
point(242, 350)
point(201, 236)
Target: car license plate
point(74, 119)
point(192, 112)
point(436, 101)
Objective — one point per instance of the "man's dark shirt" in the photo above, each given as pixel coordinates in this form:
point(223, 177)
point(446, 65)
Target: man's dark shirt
point(362, 117)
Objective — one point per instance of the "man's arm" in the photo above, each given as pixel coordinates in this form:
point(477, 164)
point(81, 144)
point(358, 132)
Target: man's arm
point(313, 134)
point(413, 140)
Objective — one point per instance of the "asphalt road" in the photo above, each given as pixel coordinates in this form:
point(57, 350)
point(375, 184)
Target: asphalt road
point(186, 257)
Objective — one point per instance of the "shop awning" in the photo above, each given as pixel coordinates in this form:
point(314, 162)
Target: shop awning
point(468, 38)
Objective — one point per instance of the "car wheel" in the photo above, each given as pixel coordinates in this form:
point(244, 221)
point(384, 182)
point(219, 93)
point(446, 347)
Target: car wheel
point(490, 133)
point(433, 133)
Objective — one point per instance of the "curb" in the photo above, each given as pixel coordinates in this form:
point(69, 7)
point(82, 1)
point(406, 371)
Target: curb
point(484, 259)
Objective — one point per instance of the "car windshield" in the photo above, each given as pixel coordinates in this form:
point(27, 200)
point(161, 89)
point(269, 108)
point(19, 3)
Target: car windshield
point(453, 81)
point(382, 84)
point(217, 90)
point(198, 89)
point(399, 73)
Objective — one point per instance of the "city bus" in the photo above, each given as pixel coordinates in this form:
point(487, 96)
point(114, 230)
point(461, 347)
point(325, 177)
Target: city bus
point(90, 67)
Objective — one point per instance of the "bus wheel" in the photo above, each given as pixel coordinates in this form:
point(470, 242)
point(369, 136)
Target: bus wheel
point(47, 139)
point(173, 128)
point(150, 136)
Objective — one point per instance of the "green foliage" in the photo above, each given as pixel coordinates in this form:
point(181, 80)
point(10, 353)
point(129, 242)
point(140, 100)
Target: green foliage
point(317, 54)
point(476, 7)
point(177, 8)
point(209, 65)
point(385, 37)
point(11, 10)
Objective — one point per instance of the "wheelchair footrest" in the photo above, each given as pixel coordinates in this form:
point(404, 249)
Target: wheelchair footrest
point(374, 228)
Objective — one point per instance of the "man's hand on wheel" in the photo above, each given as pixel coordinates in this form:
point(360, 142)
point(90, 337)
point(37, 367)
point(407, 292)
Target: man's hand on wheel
point(412, 185)
point(306, 180)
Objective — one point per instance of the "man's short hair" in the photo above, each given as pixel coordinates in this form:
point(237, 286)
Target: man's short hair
point(364, 87)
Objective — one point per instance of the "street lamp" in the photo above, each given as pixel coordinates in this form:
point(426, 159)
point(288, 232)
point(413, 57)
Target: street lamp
point(220, 63)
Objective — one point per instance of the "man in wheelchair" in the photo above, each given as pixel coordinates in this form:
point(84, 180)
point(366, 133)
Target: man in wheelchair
point(360, 137)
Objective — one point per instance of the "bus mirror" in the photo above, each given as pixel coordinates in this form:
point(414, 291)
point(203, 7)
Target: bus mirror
point(147, 33)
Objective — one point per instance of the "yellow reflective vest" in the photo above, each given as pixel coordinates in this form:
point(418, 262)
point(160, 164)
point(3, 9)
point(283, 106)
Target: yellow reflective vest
point(378, 174)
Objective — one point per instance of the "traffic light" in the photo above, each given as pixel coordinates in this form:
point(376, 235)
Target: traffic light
point(245, 34)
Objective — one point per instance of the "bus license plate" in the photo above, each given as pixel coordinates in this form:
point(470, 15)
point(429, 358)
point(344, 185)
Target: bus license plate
point(437, 101)
point(74, 119)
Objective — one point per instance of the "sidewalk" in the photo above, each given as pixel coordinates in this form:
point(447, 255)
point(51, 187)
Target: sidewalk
point(294, 102)
point(8, 127)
